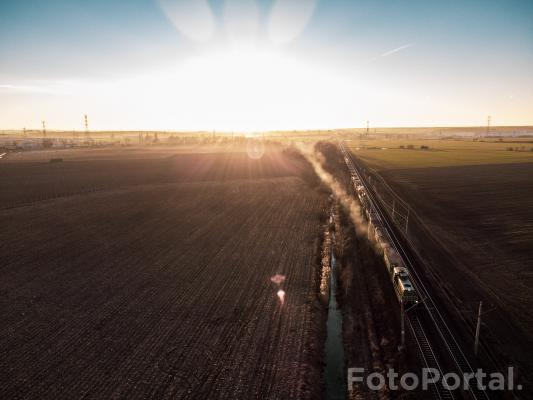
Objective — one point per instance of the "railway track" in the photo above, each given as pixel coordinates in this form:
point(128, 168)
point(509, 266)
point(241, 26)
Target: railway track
point(428, 357)
point(426, 314)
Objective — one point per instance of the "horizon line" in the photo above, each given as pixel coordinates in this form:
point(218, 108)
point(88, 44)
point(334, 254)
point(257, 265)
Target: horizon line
point(371, 128)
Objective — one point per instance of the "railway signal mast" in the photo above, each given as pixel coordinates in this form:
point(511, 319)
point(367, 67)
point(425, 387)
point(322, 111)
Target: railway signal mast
point(407, 221)
point(86, 127)
point(488, 125)
point(43, 123)
point(478, 327)
point(402, 316)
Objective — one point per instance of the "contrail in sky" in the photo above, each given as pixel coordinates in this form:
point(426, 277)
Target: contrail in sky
point(397, 49)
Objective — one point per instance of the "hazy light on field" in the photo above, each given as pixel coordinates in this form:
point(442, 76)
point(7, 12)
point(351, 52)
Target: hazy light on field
point(240, 89)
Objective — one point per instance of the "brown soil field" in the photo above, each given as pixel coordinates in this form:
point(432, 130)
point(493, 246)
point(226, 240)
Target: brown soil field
point(481, 220)
point(91, 170)
point(150, 278)
point(114, 152)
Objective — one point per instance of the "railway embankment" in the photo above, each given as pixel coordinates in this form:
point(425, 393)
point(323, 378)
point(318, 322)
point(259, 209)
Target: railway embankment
point(365, 296)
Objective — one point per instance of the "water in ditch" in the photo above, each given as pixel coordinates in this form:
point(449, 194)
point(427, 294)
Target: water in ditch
point(334, 373)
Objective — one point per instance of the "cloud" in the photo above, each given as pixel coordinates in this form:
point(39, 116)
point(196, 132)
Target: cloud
point(397, 49)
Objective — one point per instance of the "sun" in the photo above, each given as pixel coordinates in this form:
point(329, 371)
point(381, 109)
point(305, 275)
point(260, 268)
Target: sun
point(241, 88)
point(239, 77)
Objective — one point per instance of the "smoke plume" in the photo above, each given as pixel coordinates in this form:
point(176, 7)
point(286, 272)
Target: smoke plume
point(347, 200)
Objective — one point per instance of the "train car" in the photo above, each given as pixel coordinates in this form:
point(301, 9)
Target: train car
point(371, 215)
point(375, 221)
point(392, 259)
point(403, 286)
point(378, 234)
point(399, 275)
point(382, 244)
point(380, 238)
point(355, 188)
point(361, 194)
point(365, 205)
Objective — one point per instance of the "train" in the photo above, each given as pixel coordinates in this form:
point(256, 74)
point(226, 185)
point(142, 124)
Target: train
point(399, 274)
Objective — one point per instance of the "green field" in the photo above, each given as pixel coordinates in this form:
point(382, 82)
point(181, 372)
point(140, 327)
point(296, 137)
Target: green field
point(389, 154)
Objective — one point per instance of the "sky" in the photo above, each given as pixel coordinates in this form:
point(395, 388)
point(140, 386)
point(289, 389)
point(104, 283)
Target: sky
point(253, 65)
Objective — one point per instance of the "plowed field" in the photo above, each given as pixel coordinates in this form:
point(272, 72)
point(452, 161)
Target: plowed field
point(151, 278)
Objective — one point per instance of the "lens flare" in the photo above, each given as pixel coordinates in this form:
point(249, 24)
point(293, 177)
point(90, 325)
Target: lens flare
point(289, 19)
point(281, 296)
point(278, 279)
point(255, 149)
point(193, 18)
point(241, 20)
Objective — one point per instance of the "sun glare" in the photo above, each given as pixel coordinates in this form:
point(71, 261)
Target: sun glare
point(252, 88)
point(244, 88)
